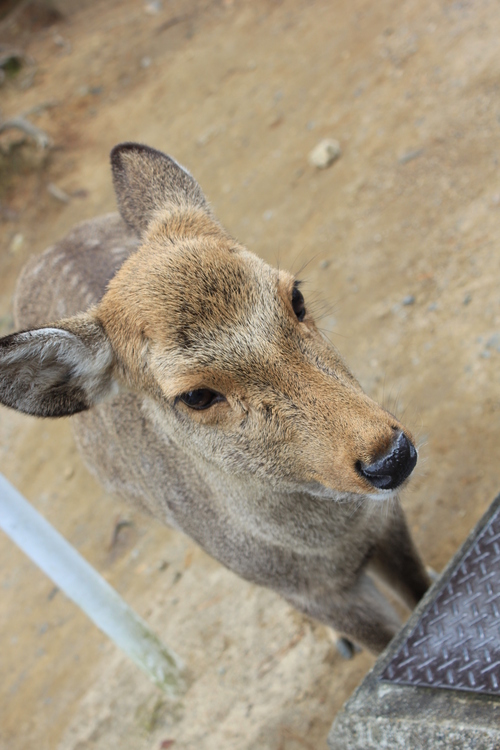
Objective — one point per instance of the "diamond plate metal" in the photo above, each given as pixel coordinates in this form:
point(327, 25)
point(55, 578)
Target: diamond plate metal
point(456, 642)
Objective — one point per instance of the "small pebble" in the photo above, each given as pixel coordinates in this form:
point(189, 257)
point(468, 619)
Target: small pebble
point(325, 153)
point(467, 299)
point(17, 243)
point(485, 354)
point(58, 193)
point(268, 215)
point(433, 306)
point(410, 155)
point(59, 41)
point(153, 7)
point(69, 472)
point(324, 264)
point(409, 300)
point(146, 62)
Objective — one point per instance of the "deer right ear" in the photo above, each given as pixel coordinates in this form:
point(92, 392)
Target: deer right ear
point(147, 181)
point(57, 371)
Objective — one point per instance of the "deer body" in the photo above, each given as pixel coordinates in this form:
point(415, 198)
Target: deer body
point(201, 390)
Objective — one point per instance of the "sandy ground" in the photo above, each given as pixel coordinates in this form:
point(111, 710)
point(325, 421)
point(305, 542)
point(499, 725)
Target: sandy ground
point(398, 245)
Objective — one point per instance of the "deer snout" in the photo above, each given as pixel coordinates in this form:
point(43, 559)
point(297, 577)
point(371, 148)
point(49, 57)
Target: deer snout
point(391, 469)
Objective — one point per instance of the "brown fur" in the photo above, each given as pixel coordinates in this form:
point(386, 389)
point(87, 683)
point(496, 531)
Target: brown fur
point(266, 479)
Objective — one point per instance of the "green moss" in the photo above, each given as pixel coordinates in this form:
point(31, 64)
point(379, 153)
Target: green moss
point(12, 66)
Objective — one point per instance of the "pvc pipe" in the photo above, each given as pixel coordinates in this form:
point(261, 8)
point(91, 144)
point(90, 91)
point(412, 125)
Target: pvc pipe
point(81, 583)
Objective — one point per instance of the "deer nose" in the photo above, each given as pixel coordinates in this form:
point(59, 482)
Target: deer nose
point(389, 471)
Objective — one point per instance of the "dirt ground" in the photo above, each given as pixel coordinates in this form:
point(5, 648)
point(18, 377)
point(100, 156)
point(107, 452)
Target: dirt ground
point(398, 245)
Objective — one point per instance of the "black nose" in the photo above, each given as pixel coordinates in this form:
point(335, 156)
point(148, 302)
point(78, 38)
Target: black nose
point(389, 471)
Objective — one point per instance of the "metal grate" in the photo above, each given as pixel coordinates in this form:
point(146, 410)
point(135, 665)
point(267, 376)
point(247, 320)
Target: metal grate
point(456, 643)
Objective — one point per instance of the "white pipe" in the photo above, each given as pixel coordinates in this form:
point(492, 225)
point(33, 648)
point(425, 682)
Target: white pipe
point(81, 583)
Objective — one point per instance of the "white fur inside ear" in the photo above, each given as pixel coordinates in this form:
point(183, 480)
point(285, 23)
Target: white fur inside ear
point(53, 371)
point(89, 360)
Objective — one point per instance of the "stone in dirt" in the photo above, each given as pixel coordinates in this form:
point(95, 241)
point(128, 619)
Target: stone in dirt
point(325, 153)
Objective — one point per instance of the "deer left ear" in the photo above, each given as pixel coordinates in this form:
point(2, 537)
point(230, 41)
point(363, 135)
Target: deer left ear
point(57, 371)
point(147, 181)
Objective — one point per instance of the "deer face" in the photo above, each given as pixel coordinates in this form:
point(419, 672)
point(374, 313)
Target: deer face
point(226, 348)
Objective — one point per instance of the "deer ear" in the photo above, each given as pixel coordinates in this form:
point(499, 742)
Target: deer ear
point(147, 181)
point(57, 371)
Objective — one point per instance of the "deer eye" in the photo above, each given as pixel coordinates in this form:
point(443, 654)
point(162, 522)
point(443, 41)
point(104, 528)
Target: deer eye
point(298, 302)
point(200, 399)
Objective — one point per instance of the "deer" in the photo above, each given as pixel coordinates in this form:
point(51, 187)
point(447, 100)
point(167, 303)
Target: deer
point(201, 390)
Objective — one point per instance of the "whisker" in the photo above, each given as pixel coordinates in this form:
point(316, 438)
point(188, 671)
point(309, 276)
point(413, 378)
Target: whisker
point(306, 263)
point(331, 332)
